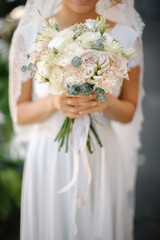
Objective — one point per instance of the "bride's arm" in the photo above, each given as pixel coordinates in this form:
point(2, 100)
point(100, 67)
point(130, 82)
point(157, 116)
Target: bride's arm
point(29, 111)
point(122, 109)
point(37, 111)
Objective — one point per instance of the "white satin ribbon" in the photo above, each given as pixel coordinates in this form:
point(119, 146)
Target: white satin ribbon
point(79, 137)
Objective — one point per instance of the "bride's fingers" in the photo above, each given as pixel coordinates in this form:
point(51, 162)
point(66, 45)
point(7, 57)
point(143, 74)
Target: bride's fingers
point(71, 111)
point(85, 102)
point(81, 97)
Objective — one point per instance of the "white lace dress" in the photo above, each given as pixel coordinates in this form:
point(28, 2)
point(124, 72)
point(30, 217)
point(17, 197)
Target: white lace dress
point(108, 210)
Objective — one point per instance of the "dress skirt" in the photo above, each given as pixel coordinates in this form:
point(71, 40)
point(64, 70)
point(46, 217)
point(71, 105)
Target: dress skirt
point(48, 215)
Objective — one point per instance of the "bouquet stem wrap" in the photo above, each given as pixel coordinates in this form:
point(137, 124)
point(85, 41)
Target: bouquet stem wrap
point(79, 138)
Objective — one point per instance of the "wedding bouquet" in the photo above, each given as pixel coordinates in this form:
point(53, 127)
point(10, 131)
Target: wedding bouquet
point(80, 59)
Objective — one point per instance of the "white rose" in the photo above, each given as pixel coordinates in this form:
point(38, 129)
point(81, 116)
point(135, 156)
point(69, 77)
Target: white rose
point(66, 34)
point(88, 39)
point(57, 43)
point(56, 81)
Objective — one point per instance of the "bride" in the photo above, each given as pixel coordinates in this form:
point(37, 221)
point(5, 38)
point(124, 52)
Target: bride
point(108, 211)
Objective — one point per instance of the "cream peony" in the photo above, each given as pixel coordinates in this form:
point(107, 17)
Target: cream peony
point(108, 81)
point(73, 75)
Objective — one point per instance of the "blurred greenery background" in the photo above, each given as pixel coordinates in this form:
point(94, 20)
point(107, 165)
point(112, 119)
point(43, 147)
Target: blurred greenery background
point(11, 169)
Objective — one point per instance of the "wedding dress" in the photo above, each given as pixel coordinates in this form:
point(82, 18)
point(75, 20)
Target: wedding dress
point(47, 215)
point(109, 209)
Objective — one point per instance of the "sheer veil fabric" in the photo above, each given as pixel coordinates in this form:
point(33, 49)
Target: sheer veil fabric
point(127, 135)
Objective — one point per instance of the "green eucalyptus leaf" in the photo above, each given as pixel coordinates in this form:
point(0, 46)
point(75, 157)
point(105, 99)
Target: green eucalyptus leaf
point(24, 68)
point(73, 90)
point(30, 66)
point(95, 47)
point(76, 61)
point(101, 46)
point(103, 100)
point(99, 96)
point(86, 88)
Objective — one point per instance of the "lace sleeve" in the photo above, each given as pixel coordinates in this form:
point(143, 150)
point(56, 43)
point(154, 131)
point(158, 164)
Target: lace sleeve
point(133, 62)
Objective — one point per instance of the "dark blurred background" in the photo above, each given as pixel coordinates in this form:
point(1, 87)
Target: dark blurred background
point(147, 215)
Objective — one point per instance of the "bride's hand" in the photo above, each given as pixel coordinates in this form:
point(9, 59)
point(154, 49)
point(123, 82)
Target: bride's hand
point(78, 106)
point(85, 105)
point(63, 103)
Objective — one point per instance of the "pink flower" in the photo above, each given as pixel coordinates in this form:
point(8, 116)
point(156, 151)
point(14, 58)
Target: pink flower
point(120, 68)
point(91, 57)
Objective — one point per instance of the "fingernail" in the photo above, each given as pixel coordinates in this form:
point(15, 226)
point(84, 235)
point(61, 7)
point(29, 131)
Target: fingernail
point(73, 109)
point(69, 101)
point(81, 113)
point(90, 95)
point(93, 104)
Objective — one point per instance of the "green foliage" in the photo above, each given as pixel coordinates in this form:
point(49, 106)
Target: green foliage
point(79, 29)
point(6, 127)
point(10, 171)
point(10, 187)
point(76, 61)
point(86, 89)
point(100, 95)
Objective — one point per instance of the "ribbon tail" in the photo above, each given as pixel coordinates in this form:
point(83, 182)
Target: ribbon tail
point(75, 173)
point(82, 200)
point(83, 151)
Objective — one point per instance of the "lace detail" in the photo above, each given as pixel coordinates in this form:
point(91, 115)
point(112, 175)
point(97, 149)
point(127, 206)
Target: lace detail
point(133, 62)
